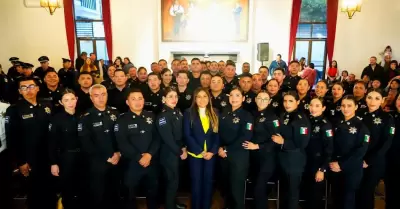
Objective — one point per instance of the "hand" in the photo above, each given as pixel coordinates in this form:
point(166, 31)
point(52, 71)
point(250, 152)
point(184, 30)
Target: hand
point(184, 154)
point(250, 145)
point(25, 169)
point(115, 158)
point(278, 139)
point(208, 155)
point(335, 167)
point(55, 170)
point(319, 176)
point(365, 165)
point(145, 160)
point(222, 153)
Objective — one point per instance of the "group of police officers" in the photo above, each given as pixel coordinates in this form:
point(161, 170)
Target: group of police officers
point(96, 136)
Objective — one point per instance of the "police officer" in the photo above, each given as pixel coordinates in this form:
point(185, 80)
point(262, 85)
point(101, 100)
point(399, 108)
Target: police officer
point(392, 180)
point(64, 148)
point(172, 149)
point(290, 81)
point(96, 133)
point(381, 126)
point(137, 139)
point(295, 135)
point(359, 91)
point(153, 99)
point(14, 72)
point(333, 111)
point(117, 95)
point(351, 138)
point(264, 156)
point(319, 153)
point(27, 72)
point(108, 82)
point(219, 99)
point(235, 128)
point(185, 94)
point(5, 161)
point(230, 79)
point(4, 86)
point(44, 66)
point(67, 74)
point(85, 81)
point(245, 83)
point(276, 96)
point(305, 99)
point(51, 91)
point(27, 125)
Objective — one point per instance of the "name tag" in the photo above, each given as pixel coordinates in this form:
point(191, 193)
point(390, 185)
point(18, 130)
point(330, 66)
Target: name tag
point(27, 116)
point(97, 124)
point(148, 103)
point(132, 126)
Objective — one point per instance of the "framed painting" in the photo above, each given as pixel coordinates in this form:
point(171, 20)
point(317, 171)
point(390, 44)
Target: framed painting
point(204, 20)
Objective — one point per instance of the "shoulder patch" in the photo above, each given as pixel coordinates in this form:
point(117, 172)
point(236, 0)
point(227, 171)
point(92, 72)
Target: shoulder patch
point(116, 128)
point(162, 121)
point(80, 127)
point(359, 118)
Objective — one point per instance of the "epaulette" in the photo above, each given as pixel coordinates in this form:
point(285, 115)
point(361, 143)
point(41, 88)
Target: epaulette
point(113, 108)
point(121, 114)
point(323, 120)
point(299, 116)
point(360, 118)
point(86, 114)
point(227, 95)
point(163, 110)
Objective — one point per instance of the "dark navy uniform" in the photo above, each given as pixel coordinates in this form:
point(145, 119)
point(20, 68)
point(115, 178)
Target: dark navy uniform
point(290, 83)
point(381, 126)
point(84, 102)
point(304, 105)
point(362, 107)
point(96, 133)
point(264, 159)
point(185, 99)
point(333, 112)
point(235, 127)
point(350, 145)
point(40, 72)
point(117, 98)
point(153, 101)
point(134, 83)
point(26, 130)
point(319, 154)
point(170, 128)
point(249, 102)
point(276, 104)
point(136, 135)
point(6, 167)
point(109, 84)
point(52, 97)
point(171, 85)
point(194, 83)
point(4, 88)
point(228, 86)
point(220, 102)
point(392, 180)
point(68, 77)
point(295, 130)
point(64, 149)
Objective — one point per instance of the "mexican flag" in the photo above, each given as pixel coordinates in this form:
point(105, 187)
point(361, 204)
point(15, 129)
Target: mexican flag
point(366, 138)
point(249, 126)
point(329, 133)
point(392, 130)
point(304, 130)
point(276, 123)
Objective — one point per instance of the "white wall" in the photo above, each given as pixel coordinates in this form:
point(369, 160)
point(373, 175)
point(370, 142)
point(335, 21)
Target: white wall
point(29, 33)
point(367, 34)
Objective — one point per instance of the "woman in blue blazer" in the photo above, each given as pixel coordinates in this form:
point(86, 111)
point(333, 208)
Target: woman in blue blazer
point(200, 126)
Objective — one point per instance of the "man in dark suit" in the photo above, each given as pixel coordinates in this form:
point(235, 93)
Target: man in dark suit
point(375, 71)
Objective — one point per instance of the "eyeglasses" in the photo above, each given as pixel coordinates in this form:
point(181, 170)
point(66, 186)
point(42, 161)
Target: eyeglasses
point(262, 99)
point(26, 88)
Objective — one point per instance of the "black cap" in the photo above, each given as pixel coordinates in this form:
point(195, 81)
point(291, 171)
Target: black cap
point(43, 59)
point(66, 60)
point(27, 65)
point(13, 59)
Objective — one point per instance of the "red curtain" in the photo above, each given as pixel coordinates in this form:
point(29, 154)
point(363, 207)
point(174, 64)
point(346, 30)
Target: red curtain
point(331, 19)
point(70, 28)
point(107, 27)
point(294, 23)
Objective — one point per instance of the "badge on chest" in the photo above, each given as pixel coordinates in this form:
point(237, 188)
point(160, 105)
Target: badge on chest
point(97, 124)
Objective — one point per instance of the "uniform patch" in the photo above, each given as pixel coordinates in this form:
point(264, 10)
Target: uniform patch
point(249, 126)
point(116, 127)
point(392, 130)
point(353, 130)
point(188, 97)
point(48, 111)
point(80, 127)
point(329, 133)
point(7, 119)
point(223, 104)
point(130, 126)
point(236, 120)
point(97, 124)
point(113, 117)
point(262, 119)
point(149, 120)
point(276, 123)
point(366, 138)
point(27, 116)
point(50, 126)
point(303, 130)
point(162, 121)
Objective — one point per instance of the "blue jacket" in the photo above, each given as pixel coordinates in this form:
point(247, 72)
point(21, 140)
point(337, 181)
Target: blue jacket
point(194, 134)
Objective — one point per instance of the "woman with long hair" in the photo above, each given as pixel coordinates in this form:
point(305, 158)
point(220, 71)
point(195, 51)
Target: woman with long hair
point(118, 63)
point(333, 111)
point(381, 126)
point(263, 150)
point(305, 99)
point(200, 127)
point(235, 128)
point(333, 71)
point(166, 79)
point(92, 69)
point(276, 98)
point(351, 138)
point(64, 149)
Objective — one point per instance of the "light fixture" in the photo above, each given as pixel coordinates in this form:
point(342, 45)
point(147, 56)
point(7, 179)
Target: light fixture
point(351, 7)
point(50, 5)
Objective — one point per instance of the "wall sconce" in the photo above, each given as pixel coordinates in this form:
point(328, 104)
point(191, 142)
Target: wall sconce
point(351, 7)
point(50, 5)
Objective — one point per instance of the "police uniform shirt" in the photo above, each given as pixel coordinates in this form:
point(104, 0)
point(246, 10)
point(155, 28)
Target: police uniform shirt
point(333, 111)
point(393, 153)
point(109, 84)
point(171, 85)
point(68, 77)
point(304, 105)
point(350, 143)
point(4, 87)
point(194, 83)
point(153, 101)
point(136, 135)
point(27, 129)
point(63, 136)
point(295, 130)
point(96, 132)
point(320, 148)
point(52, 97)
point(276, 104)
point(362, 107)
point(84, 102)
point(228, 86)
point(169, 125)
point(185, 99)
point(13, 73)
point(235, 127)
point(382, 128)
point(290, 83)
point(3, 108)
point(221, 101)
point(117, 98)
point(266, 124)
point(249, 102)
point(40, 72)
point(133, 83)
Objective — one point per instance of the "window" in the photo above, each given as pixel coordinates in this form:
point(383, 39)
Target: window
point(90, 28)
point(311, 35)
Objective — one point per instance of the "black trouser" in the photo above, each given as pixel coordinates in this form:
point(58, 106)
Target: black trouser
point(290, 188)
point(134, 176)
point(104, 184)
point(392, 185)
point(171, 175)
point(5, 180)
point(234, 173)
point(312, 191)
point(266, 162)
point(344, 186)
point(365, 198)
